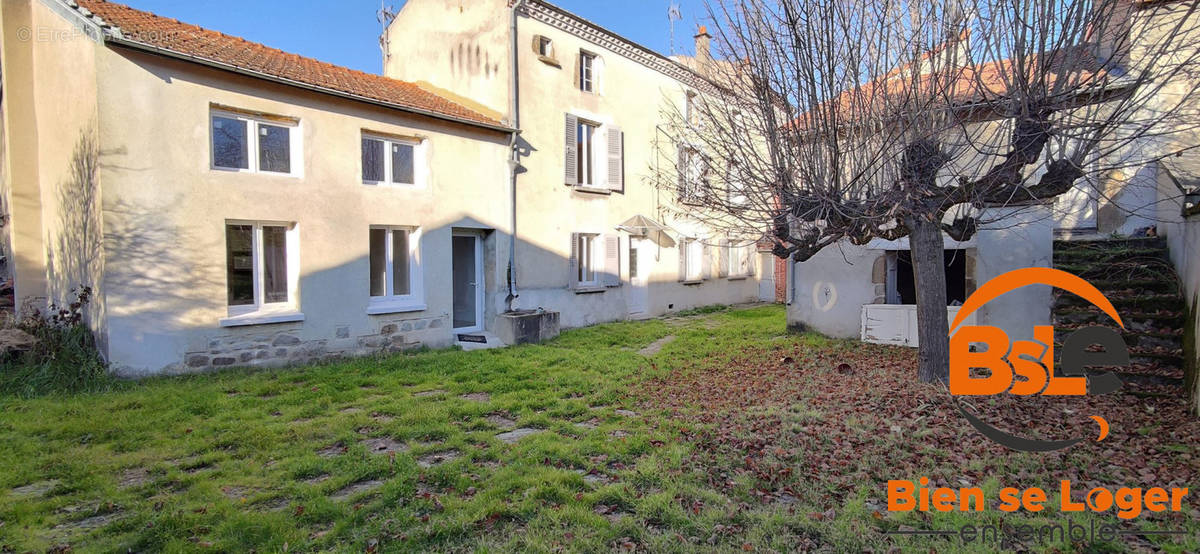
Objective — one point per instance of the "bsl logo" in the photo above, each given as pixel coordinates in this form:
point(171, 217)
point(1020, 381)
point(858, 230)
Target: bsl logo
point(1026, 367)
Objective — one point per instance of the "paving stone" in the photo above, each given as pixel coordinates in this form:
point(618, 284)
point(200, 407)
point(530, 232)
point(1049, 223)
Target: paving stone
point(501, 421)
point(134, 477)
point(437, 458)
point(625, 413)
point(384, 446)
point(619, 434)
point(236, 493)
point(351, 410)
point(275, 504)
point(517, 434)
point(35, 489)
point(382, 418)
point(477, 397)
point(587, 425)
point(316, 480)
point(654, 347)
point(331, 451)
point(428, 393)
point(85, 524)
point(355, 489)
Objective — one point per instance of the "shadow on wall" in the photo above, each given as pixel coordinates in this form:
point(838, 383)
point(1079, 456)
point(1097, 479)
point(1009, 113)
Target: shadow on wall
point(74, 256)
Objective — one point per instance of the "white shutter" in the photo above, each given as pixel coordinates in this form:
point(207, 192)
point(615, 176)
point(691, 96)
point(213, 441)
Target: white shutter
point(705, 261)
point(616, 159)
point(612, 260)
point(746, 269)
point(571, 165)
point(723, 255)
point(683, 249)
point(681, 167)
point(573, 263)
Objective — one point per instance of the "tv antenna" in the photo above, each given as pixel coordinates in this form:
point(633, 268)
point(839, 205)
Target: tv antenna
point(385, 15)
point(673, 15)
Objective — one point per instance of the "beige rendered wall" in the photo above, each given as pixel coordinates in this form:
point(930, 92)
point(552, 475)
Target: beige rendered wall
point(165, 212)
point(51, 92)
point(632, 97)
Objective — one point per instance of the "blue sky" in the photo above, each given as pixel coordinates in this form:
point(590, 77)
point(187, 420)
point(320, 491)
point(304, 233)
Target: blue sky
point(346, 32)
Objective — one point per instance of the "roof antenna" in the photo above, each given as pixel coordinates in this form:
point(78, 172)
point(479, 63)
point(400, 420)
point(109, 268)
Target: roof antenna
point(673, 15)
point(385, 15)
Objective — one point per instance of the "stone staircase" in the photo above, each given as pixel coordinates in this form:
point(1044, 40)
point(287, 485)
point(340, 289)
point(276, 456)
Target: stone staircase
point(1137, 277)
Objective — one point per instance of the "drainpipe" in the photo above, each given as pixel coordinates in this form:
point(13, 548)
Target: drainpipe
point(514, 162)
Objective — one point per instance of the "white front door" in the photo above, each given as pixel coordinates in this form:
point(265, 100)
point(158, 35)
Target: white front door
point(467, 267)
point(641, 261)
point(766, 272)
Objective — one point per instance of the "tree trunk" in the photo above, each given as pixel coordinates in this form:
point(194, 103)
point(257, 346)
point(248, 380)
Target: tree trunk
point(929, 274)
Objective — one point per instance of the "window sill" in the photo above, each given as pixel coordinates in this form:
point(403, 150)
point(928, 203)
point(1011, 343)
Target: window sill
point(590, 289)
point(261, 318)
point(592, 189)
point(280, 174)
point(394, 308)
point(691, 282)
point(549, 61)
point(738, 277)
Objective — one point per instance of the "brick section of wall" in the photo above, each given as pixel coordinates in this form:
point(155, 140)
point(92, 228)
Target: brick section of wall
point(780, 280)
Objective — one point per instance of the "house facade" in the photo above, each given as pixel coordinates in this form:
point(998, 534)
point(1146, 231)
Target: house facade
point(230, 204)
point(590, 106)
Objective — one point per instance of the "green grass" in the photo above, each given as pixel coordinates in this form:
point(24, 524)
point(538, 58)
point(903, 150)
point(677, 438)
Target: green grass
point(245, 460)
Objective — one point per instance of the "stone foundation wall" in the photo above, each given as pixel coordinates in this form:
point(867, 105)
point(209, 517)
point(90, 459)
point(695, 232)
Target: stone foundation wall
point(289, 345)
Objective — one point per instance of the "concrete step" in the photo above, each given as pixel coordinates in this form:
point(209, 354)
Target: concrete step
point(491, 341)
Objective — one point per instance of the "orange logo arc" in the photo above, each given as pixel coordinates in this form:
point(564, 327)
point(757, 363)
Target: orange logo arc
point(1016, 279)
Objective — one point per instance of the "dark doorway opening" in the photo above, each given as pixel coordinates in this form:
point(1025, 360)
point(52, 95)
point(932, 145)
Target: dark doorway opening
point(956, 277)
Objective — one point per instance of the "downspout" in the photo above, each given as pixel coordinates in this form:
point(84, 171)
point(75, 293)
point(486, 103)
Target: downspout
point(514, 162)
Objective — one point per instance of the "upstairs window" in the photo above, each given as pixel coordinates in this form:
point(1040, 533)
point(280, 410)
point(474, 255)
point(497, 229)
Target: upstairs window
point(587, 71)
point(545, 47)
point(388, 161)
point(245, 143)
point(595, 155)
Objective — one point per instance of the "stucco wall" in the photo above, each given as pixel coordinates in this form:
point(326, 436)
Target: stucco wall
point(630, 96)
point(1183, 241)
point(53, 184)
point(165, 211)
point(831, 287)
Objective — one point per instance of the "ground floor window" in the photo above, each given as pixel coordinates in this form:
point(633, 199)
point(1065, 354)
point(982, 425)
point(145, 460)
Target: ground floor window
point(260, 266)
point(585, 252)
point(691, 253)
point(902, 287)
point(394, 266)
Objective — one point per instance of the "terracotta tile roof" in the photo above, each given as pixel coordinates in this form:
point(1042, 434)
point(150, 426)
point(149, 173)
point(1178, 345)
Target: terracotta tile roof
point(981, 83)
point(189, 40)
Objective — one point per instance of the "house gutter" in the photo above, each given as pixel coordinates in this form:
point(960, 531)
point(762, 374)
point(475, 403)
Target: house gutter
point(514, 162)
point(121, 41)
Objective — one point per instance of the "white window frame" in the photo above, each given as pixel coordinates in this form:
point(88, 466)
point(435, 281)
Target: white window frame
point(295, 164)
point(587, 153)
point(736, 254)
point(588, 64)
point(693, 262)
point(261, 312)
point(545, 46)
point(586, 260)
point(390, 302)
point(418, 155)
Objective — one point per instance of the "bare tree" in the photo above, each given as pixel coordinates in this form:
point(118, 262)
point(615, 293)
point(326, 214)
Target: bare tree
point(825, 120)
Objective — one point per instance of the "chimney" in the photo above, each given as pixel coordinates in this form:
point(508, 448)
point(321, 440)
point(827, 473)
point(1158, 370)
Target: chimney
point(703, 42)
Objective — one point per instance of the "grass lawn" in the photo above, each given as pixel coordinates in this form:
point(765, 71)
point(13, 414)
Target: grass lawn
point(727, 435)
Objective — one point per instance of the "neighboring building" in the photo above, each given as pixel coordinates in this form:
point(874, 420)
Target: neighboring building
point(867, 291)
point(231, 204)
point(591, 105)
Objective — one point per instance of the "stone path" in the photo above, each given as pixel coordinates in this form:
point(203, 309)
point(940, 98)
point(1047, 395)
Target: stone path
point(477, 397)
point(437, 458)
point(657, 345)
point(355, 489)
point(517, 434)
point(501, 421)
point(428, 393)
point(384, 446)
point(34, 489)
